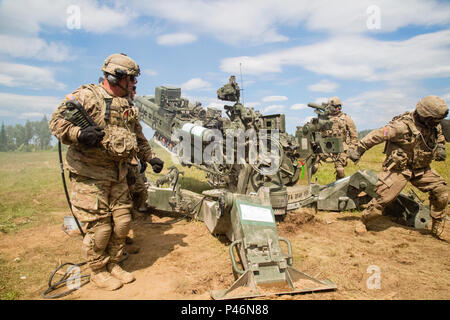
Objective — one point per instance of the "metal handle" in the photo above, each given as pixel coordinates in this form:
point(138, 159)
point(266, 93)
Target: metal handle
point(290, 259)
point(233, 261)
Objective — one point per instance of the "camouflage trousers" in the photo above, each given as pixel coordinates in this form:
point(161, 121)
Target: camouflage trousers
point(105, 207)
point(391, 183)
point(138, 190)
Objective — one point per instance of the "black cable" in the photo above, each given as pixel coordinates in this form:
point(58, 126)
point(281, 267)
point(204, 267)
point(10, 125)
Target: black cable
point(63, 281)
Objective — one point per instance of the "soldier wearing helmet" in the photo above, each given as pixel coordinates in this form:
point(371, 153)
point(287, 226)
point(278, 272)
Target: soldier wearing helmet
point(102, 145)
point(343, 127)
point(413, 141)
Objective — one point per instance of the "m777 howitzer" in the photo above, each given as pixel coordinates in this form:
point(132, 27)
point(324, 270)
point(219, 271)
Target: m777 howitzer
point(221, 145)
point(244, 206)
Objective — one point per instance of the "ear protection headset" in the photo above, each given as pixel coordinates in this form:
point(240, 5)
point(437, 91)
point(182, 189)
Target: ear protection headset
point(115, 79)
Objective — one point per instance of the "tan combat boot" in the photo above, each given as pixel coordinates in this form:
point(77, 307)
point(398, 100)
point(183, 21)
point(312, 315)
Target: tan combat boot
point(437, 227)
point(103, 280)
point(117, 272)
point(130, 237)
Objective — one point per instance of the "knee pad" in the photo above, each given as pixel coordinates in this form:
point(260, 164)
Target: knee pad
point(97, 237)
point(122, 224)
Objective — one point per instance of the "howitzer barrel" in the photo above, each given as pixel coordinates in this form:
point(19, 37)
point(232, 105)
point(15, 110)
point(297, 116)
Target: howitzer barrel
point(316, 106)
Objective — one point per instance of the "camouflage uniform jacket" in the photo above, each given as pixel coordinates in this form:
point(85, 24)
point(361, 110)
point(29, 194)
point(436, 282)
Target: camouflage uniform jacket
point(410, 146)
point(120, 118)
point(344, 127)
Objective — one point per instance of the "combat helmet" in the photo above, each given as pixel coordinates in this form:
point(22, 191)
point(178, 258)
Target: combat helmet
point(432, 107)
point(120, 65)
point(335, 101)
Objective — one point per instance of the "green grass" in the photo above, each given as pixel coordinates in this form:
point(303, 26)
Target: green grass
point(193, 179)
point(30, 189)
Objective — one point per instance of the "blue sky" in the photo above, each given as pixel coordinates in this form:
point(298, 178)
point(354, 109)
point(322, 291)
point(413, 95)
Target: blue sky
point(379, 57)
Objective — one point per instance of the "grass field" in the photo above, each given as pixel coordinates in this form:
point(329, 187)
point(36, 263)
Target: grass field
point(32, 198)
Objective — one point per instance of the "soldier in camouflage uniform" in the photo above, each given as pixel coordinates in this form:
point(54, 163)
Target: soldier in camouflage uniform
point(136, 176)
point(343, 127)
point(413, 140)
point(98, 158)
point(136, 180)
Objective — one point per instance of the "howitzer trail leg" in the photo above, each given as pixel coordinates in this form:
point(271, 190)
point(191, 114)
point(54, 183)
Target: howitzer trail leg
point(388, 187)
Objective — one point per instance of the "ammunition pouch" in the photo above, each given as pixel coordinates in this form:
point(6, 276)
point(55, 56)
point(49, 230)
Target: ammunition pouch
point(119, 142)
point(422, 158)
point(397, 160)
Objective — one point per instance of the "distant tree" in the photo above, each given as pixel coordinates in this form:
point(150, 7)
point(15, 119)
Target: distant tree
point(28, 132)
point(363, 133)
point(43, 134)
point(3, 138)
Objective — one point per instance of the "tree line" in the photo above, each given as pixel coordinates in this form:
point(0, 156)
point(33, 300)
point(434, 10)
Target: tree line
point(33, 136)
point(36, 136)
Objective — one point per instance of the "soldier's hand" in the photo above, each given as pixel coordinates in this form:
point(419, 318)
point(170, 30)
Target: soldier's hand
point(354, 155)
point(441, 155)
point(91, 136)
point(157, 164)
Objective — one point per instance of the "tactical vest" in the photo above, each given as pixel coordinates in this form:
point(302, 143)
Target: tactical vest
point(413, 150)
point(117, 119)
point(339, 128)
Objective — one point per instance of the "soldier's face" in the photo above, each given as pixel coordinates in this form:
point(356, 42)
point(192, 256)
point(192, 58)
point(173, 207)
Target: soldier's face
point(432, 122)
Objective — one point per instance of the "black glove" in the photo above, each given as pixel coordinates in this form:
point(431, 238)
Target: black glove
point(157, 164)
point(355, 155)
point(91, 136)
point(440, 155)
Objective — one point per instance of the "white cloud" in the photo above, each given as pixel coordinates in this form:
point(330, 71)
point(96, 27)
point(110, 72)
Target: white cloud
point(358, 58)
point(21, 75)
point(373, 109)
point(323, 86)
point(446, 97)
point(33, 47)
point(252, 104)
point(196, 84)
point(320, 100)
point(259, 21)
point(23, 23)
point(299, 106)
point(274, 98)
point(150, 72)
point(23, 106)
point(31, 115)
point(29, 17)
point(273, 108)
point(175, 39)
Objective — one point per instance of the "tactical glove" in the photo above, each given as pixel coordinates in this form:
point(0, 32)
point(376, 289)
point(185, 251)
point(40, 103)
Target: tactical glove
point(440, 154)
point(91, 136)
point(143, 166)
point(355, 155)
point(157, 164)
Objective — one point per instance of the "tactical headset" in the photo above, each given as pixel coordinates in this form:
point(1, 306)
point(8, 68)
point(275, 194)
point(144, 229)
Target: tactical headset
point(114, 79)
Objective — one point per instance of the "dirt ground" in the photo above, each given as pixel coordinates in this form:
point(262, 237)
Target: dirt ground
point(184, 261)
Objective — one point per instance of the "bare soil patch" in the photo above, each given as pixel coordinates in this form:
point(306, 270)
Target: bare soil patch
point(184, 261)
